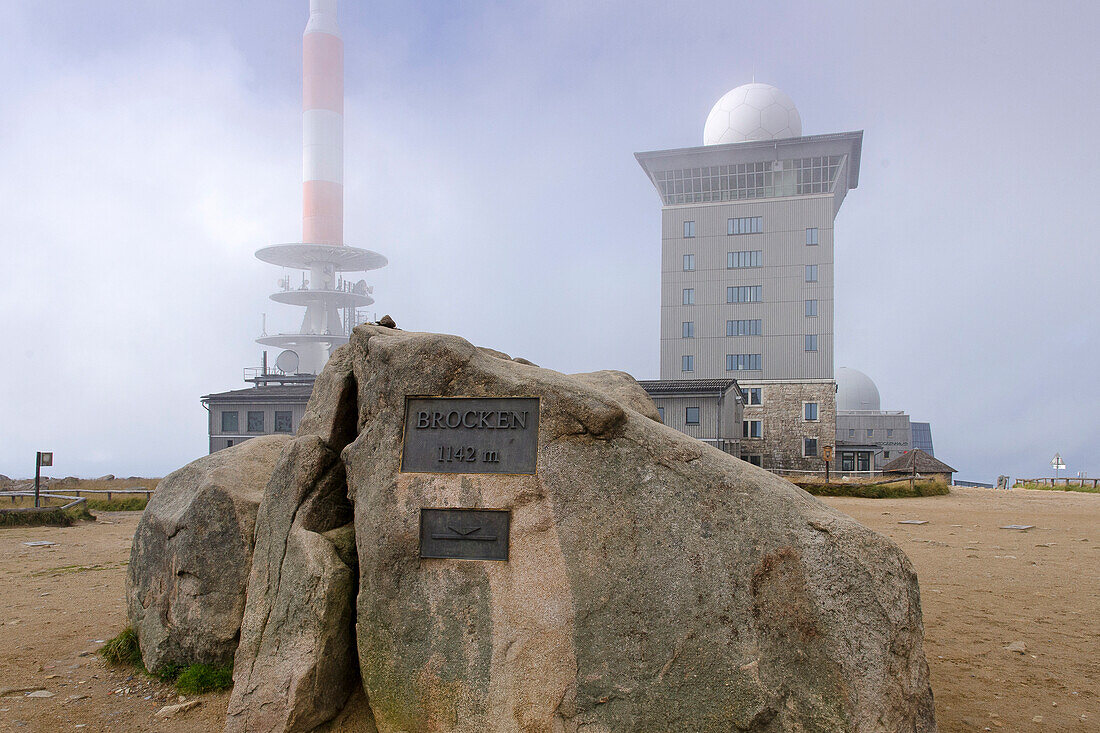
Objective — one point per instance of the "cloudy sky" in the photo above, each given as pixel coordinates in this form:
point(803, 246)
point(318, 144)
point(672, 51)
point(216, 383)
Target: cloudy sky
point(149, 147)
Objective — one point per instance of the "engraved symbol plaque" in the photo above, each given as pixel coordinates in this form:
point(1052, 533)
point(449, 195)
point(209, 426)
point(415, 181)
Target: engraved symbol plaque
point(464, 534)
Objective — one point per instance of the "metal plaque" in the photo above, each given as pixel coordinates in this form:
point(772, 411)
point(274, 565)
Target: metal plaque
point(465, 534)
point(470, 435)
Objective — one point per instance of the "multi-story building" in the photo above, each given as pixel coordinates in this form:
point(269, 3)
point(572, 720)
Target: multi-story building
point(747, 267)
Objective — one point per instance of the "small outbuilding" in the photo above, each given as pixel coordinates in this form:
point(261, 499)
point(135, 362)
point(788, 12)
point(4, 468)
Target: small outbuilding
point(919, 462)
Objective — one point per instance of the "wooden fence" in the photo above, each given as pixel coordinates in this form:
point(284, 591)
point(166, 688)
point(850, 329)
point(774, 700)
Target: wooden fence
point(14, 494)
point(73, 501)
point(1068, 481)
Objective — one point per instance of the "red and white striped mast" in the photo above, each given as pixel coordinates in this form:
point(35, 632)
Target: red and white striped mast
point(322, 252)
point(322, 126)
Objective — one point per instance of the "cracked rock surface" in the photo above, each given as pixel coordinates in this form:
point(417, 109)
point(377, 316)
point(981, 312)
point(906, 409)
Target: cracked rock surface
point(191, 555)
point(653, 582)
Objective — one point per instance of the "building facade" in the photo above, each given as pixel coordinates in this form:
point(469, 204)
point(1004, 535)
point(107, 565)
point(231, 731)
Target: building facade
point(710, 410)
point(235, 416)
point(868, 437)
point(747, 267)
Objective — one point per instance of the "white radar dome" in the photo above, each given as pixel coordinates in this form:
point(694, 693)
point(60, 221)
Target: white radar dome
point(752, 112)
point(855, 391)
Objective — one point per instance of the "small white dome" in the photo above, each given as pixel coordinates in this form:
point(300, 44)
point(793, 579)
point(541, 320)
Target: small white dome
point(752, 112)
point(855, 391)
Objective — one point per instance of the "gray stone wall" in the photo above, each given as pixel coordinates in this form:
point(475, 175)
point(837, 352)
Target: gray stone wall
point(784, 425)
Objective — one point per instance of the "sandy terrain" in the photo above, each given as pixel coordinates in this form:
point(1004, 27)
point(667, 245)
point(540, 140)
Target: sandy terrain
point(983, 588)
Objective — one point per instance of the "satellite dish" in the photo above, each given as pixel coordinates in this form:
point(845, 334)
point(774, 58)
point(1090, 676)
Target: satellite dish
point(287, 363)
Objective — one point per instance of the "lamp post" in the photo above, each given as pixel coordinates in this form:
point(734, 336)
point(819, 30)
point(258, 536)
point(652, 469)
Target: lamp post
point(40, 459)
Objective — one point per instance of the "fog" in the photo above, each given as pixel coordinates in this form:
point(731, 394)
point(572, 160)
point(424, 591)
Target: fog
point(150, 148)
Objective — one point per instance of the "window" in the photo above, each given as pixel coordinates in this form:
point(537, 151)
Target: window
point(688, 329)
point(811, 237)
point(870, 432)
point(661, 412)
point(809, 411)
point(745, 225)
point(691, 416)
point(229, 444)
point(739, 181)
point(689, 229)
point(283, 422)
point(886, 454)
point(809, 447)
point(889, 432)
point(751, 395)
point(751, 428)
point(811, 273)
point(743, 328)
point(750, 258)
point(687, 363)
point(851, 432)
point(744, 294)
point(689, 263)
point(255, 421)
point(689, 296)
point(743, 362)
point(811, 308)
point(754, 460)
point(230, 423)
point(811, 342)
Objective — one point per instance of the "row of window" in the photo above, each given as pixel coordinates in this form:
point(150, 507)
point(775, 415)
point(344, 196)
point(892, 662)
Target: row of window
point(745, 225)
point(744, 294)
point(754, 429)
point(737, 362)
point(231, 422)
point(752, 397)
point(746, 326)
point(734, 260)
point(750, 293)
point(734, 362)
point(748, 225)
point(749, 428)
point(762, 179)
point(749, 258)
point(745, 259)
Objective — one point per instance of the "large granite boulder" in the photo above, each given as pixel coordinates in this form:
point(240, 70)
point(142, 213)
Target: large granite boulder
point(652, 583)
point(192, 553)
point(296, 665)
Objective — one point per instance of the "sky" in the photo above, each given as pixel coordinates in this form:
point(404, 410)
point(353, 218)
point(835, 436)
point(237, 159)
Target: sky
point(150, 147)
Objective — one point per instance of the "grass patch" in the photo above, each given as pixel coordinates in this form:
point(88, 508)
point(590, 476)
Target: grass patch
point(899, 490)
point(56, 517)
point(200, 678)
point(131, 504)
point(194, 679)
point(123, 650)
point(1047, 487)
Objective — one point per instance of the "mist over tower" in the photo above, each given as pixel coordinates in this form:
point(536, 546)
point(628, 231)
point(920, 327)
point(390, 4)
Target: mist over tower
point(333, 303)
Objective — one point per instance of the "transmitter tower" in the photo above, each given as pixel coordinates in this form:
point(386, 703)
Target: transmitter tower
point(333, 303)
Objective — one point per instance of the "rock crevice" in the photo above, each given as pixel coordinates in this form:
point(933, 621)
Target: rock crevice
point(652, 582)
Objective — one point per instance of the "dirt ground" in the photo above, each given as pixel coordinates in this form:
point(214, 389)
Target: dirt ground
point(983, 588)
